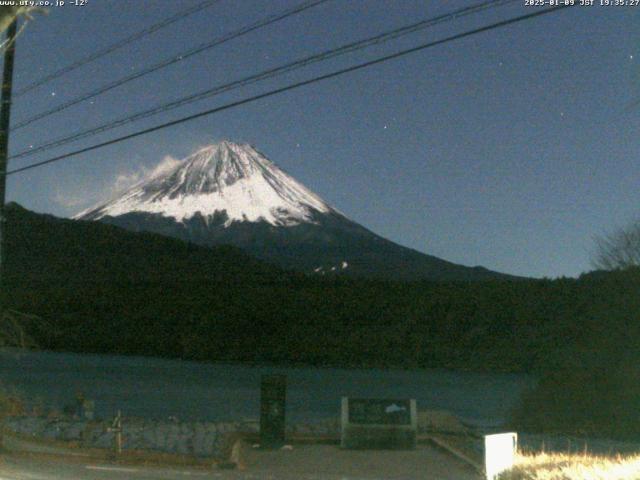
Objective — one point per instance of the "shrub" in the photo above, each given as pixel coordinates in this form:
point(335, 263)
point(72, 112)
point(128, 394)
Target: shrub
point(593, 401)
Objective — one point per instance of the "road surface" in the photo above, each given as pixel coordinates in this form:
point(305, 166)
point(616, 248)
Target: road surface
point(319, 462)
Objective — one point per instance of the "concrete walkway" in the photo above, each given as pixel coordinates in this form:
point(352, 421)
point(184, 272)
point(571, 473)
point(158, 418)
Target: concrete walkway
point(330, 462)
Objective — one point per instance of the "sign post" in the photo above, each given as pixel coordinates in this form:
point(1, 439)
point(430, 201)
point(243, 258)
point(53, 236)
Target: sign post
point(273, 397)
point(116, 428)
point(499, 453)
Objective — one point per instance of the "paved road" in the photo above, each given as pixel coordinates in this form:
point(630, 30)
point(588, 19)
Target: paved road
point(39, 468)
point(302, 463)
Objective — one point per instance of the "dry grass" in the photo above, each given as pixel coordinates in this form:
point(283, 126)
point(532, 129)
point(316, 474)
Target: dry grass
point(554, 466)
point(11, 402)
point(14, 326)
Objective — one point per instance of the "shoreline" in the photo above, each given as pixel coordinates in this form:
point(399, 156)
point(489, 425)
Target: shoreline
point(273, 365)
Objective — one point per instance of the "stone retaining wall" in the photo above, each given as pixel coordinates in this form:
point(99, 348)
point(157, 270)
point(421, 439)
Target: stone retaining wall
point(201, 439)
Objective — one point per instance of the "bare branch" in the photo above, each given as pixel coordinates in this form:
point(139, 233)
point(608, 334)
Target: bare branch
point(618, 250)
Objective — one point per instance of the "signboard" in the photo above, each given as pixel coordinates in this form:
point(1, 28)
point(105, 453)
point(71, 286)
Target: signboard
point(381, 412)
point(273, 396)
point(379, 423)
point(499, 453)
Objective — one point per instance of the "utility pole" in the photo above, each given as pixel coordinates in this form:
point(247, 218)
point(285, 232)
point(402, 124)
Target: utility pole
point(5, 118)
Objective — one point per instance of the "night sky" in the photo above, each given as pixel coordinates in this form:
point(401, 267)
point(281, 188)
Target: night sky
point(510, 149)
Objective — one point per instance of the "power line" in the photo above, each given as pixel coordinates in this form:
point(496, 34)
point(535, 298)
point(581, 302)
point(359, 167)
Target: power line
point(117, 45)
point(172, 60)
point(293, 86)
point(266, 74)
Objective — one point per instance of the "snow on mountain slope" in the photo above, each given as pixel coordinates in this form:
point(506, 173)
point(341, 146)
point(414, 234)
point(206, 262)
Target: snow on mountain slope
point(231, 194)
point(229, 177)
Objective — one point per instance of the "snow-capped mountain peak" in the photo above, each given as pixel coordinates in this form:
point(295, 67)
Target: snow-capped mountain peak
point(231, 194)
point(224, 177)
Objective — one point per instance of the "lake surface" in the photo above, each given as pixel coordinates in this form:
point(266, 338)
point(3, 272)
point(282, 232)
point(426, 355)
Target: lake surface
point(158, 388)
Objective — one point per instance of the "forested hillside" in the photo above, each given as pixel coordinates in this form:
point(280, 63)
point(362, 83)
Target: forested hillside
point(103, 289)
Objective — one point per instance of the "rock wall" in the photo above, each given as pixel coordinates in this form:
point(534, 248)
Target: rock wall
point(200, 439)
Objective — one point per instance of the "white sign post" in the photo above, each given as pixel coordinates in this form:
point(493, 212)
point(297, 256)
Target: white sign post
point(499, 453)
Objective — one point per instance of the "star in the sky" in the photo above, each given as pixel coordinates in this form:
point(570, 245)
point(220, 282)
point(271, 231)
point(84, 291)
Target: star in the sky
point(53, 94)
point(630, 57)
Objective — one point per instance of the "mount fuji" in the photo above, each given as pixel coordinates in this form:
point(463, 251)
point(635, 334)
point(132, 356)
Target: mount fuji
point(229, 193)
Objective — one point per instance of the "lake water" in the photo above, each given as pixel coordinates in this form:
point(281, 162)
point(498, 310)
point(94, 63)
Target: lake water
point(157, 388)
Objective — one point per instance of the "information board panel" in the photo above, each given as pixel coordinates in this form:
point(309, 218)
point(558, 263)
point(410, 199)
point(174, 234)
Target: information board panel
point(375, 423)
point(364, 411)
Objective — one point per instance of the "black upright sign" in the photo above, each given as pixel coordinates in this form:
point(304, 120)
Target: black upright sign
point(273, 393)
